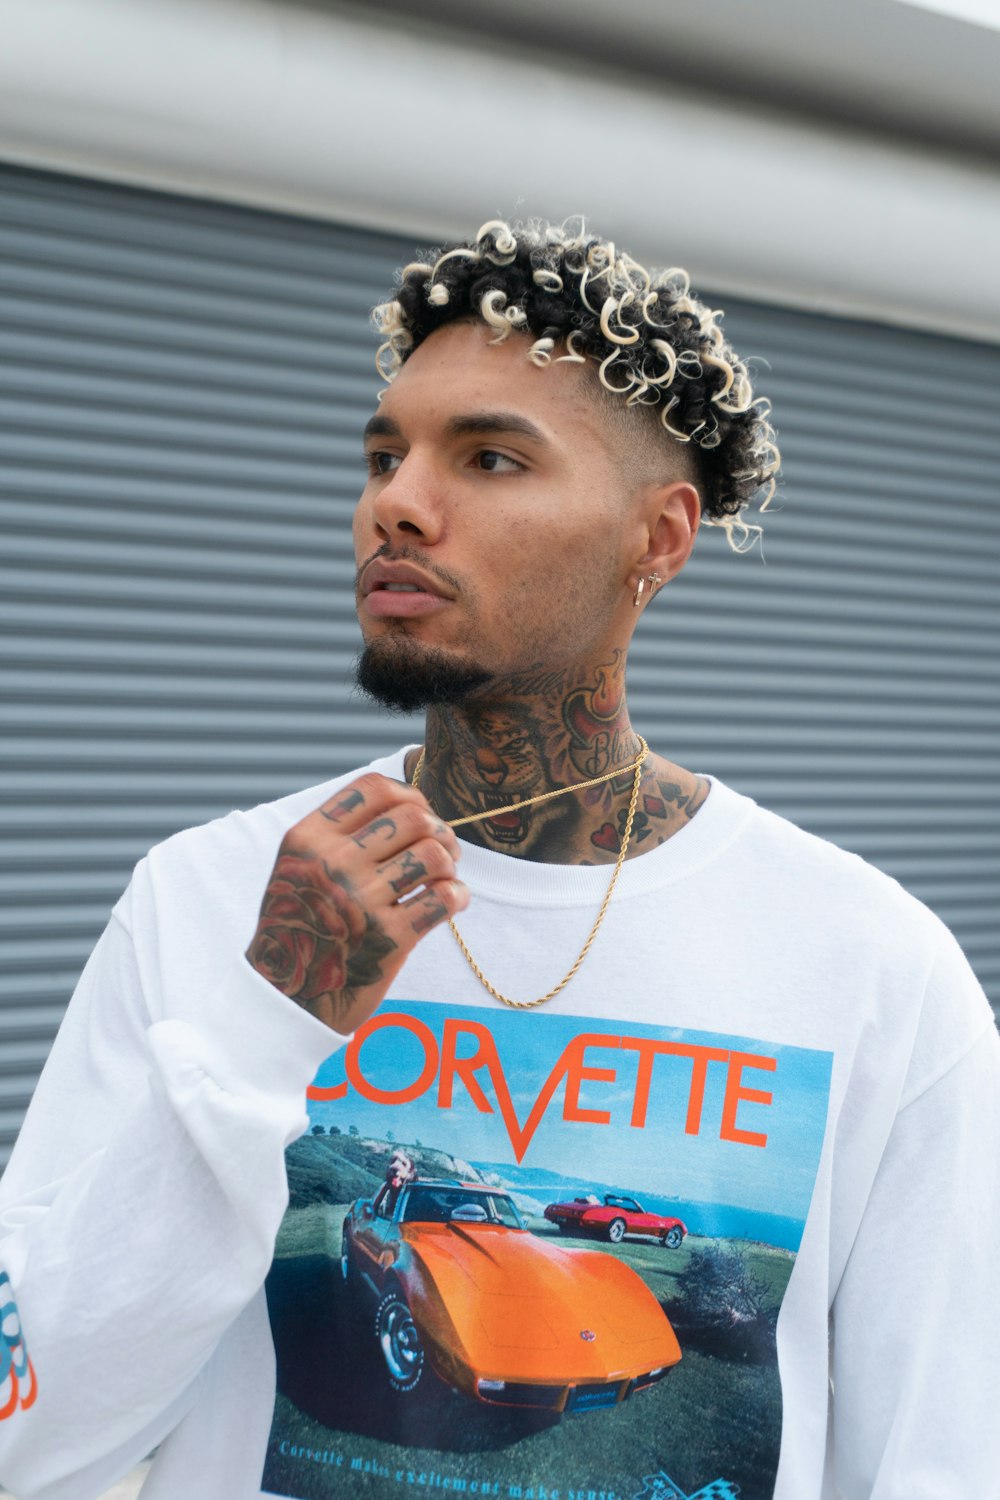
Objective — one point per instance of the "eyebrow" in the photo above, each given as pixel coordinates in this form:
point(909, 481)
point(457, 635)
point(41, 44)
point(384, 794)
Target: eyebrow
point(470, 425)
point(379, 426)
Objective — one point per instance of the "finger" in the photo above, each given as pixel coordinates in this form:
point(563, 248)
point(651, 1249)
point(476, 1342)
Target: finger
point(358, 803)
point(421, 863)
point(427, 910)
point(400, 827)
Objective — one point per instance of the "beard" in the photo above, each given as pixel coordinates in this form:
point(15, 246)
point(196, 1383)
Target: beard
point(407, 678)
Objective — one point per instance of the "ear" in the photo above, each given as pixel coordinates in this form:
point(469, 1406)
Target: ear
point(673, 514)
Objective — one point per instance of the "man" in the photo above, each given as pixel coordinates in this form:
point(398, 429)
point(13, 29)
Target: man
point(622, 981)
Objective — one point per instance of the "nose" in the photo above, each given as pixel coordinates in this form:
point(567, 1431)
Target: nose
point(406, 507)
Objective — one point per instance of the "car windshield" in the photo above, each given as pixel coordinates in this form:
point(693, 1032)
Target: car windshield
point(439, 1205)
point(624, 1203)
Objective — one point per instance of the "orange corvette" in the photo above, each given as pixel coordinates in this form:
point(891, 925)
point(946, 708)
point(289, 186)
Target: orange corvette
point(498, 1313)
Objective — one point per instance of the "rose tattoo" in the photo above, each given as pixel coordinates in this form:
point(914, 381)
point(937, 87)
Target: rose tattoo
point(313, 937)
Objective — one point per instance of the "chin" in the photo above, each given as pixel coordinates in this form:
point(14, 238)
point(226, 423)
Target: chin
point(407, 676)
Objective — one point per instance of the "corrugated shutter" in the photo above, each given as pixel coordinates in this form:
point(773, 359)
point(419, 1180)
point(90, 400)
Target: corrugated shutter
point(183, 388)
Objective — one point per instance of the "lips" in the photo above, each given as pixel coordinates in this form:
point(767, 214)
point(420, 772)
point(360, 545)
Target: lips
point(398, 577)
point(400, 590)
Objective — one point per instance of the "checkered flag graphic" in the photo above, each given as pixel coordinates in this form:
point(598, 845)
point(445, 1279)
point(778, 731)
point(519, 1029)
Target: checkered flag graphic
point(662, 1487)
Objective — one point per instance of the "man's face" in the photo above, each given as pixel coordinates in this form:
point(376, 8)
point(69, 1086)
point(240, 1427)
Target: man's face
point(496, 489)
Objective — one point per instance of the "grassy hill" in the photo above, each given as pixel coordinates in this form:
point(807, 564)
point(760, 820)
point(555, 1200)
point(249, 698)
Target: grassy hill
point(340, 1168)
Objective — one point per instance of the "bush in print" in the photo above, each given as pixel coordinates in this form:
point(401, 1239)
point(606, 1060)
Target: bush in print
point(721, 1307)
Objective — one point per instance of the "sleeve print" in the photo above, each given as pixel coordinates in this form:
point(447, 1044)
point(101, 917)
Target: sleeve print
point(18, 1387)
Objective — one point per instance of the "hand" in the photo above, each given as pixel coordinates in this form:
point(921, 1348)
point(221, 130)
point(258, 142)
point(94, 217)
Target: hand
point(356, 885)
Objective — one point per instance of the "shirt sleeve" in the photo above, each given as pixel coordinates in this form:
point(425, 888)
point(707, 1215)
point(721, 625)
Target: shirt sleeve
point(916, 1318)
point(139, 1212)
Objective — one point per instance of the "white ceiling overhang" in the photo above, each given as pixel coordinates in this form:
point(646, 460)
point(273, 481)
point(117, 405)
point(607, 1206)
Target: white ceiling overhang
point(924, 69)
point(836, 157)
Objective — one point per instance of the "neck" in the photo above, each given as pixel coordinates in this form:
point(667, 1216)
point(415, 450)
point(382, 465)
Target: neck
point(548, 730)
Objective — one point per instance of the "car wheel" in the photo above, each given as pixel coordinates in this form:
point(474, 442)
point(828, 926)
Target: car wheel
point(672, 1239)
point(616, 1231)
point(400, 1342)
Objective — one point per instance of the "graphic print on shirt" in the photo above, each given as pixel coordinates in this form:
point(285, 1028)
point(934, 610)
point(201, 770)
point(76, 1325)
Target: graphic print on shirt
point(540, 1257)
point(18, 1387)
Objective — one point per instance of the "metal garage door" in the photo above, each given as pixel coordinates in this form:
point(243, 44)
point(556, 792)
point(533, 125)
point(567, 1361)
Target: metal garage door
point(183, 387)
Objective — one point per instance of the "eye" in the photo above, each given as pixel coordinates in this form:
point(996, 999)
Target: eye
point(497, 463)
point(380, 462)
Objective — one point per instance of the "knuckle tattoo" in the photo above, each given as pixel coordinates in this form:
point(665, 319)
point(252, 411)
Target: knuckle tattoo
point(432, 910)
point(344, 807)
point(385, 826)
point(411, 872)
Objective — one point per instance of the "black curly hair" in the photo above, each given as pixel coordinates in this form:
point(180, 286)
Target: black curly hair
point(656, 347)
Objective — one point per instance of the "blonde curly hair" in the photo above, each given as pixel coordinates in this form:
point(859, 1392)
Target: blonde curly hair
point(654, 345)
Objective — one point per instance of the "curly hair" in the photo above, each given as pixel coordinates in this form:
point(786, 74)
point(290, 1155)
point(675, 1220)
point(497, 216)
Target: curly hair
point(656, 347)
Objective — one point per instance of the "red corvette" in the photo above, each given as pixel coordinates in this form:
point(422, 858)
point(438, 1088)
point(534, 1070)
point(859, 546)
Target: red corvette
point(613, 1219)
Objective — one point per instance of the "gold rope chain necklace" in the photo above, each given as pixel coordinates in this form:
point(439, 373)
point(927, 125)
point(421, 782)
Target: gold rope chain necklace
point(495, 812)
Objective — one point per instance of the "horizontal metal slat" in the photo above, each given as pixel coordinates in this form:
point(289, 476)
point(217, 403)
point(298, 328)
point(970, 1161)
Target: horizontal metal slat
point(100, 213)
point(139, 326)
point(27, 1023)
point(68, 919)
point(52, 355)
point(69, 399)
point(223, 500)
point(40, 524)
point(187, 303)
point(62, 950)
point(84, 263)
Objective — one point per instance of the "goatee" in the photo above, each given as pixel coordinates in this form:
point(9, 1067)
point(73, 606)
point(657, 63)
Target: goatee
point(408, 678)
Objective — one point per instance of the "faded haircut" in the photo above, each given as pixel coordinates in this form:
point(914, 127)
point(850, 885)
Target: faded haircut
point(655, 348)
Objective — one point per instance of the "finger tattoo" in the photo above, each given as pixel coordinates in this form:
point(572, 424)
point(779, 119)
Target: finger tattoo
point(411, 872)
point(431, 910)
point(380, 825)
point(340, 809)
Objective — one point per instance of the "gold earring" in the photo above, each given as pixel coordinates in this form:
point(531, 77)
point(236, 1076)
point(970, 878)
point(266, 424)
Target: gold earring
point(653, 580)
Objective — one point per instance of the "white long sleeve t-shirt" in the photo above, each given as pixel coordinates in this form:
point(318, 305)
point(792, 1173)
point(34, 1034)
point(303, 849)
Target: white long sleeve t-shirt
point(769, 1042)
